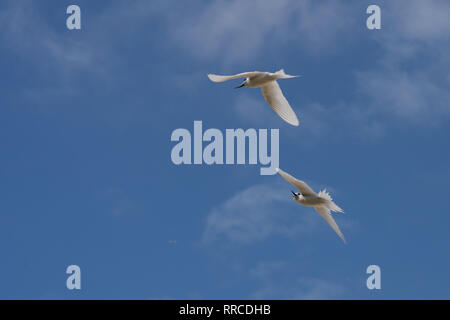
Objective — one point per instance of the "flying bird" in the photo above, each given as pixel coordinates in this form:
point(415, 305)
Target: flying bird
point(270, 90)
point(322, 202)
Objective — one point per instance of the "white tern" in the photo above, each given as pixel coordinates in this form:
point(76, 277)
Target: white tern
point(270, 90)
point(322, 202)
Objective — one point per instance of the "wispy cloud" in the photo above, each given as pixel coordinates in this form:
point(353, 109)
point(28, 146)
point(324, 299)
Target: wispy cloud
point(235, 30)
point(276, 282)
point(25, 31)
point(225, 30)
point(407, 84)
point(47, 48)
point(410, 79)
point(256, 213)
point(407, 80)
point(301, 289)
point(265, 269)
point(421, 20)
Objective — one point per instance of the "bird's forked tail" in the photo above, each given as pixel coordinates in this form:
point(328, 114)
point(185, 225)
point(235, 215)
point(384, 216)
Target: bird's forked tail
point(282, 75)
point(330, 204)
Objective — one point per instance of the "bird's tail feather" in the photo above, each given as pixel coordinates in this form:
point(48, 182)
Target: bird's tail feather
point(282, 75)
point(330, 204)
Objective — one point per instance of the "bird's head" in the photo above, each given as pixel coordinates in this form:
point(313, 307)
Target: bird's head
point(243, 83)
point(295, 195)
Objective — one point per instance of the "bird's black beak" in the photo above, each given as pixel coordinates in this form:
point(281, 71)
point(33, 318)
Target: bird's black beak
point(240, 86)
point(294, 193)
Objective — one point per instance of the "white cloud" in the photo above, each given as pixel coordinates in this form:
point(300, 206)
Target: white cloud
point(24, 31)
point(421, 20)
point(410, 79)
point(312, 288)
point(276, 282)
point(266, 269)
point(50, 48)
point(257, 213)
point(235, 30)
point(301, 289)
point(416, 96)
point(224, 31)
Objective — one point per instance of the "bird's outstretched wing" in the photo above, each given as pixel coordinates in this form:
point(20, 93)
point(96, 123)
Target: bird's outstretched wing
point(217, 78)
point(275, 98)
point(325, 213)
point(304, 189)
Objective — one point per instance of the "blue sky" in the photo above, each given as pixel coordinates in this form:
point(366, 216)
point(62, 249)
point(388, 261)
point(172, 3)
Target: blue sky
point(87, 179)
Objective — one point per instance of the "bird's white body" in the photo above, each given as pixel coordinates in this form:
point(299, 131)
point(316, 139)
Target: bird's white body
point(260, 79)
point(271, 91)
point(322, 202)
point(310, 201)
